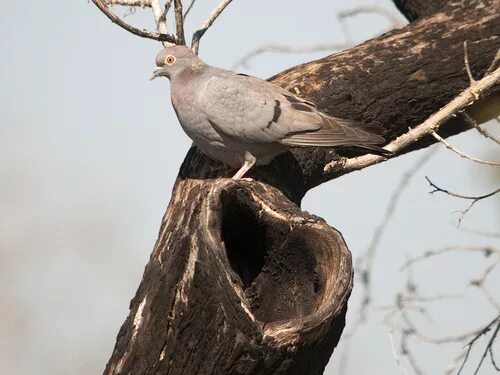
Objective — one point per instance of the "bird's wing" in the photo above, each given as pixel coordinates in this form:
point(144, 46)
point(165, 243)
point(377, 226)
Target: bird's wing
point(251, 110)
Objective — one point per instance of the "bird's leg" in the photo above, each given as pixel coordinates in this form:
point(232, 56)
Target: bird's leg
point(249, 163)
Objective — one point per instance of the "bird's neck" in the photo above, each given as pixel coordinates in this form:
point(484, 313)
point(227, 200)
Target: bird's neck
point(186, 77)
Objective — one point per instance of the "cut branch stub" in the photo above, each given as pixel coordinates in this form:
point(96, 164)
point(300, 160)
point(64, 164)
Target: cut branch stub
point(267, 283)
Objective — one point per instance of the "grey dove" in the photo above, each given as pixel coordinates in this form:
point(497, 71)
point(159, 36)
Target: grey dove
point(242, 120)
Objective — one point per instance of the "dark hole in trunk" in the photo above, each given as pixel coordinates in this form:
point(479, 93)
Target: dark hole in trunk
point(244, 236)
point(276, 262)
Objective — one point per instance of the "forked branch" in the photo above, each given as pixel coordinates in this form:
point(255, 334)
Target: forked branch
point(134, 30)
point(160, 17)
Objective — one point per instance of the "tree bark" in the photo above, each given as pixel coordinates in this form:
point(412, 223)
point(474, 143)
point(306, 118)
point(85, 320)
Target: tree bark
point(241, 281)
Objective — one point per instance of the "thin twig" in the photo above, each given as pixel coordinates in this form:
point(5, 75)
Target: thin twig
point(479, 232)
point(277, 48)
point(394, 19)
point(457, 195)
point(179, 22)
point(482, 332)
point(365, 261)
point(395, 352)
point(473, 199)
point(142, 33)
point(130, 3)
point(405, 350)
point(189, 8)
point(341, 16)
point(480, 130)
point(464, 99)
point(485, 250)
point(494, 63)
point(467, 66)
point(195, 44)
point(463, 154)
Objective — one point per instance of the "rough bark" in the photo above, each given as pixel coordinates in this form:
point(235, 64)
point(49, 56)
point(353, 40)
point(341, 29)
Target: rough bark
point(240, 280)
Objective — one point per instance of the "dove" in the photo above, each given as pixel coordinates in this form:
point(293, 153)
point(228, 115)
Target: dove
point(244, 121)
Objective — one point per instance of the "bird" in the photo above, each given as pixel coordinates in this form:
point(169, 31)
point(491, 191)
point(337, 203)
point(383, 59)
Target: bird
point(244, 121)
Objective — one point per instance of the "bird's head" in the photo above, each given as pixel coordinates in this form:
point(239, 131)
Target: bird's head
point(173, 60)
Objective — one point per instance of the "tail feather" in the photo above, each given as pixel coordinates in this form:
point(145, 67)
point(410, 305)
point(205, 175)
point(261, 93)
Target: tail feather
point(372, 149)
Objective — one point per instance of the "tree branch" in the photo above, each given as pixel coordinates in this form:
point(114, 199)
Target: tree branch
point(463, 154)
point(429, 126)
point(474, 199)
point(179, 21)
point(195, 44)
point(142, 33)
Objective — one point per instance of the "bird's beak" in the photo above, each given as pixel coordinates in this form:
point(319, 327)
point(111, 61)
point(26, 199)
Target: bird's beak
point(157, 72)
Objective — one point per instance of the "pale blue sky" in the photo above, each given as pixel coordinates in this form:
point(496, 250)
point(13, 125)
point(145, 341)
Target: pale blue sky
point(89, 150)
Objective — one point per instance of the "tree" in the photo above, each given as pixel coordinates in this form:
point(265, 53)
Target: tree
point(240, 279)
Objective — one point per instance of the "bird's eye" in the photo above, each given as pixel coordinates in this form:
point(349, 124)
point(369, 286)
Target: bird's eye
point(169, 60)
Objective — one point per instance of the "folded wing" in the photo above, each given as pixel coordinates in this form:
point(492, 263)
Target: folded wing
point(251, 110)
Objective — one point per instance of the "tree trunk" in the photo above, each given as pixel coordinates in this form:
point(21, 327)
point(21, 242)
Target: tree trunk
point(241, 281)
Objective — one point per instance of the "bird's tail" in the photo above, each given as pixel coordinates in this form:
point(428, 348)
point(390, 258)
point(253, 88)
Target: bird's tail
point(372, 149)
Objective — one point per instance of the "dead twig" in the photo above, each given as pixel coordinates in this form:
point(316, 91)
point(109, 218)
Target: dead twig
point(473, 199)
point(130, 3)
point(485, 250)
point(473, 123)
point(365, 261)
point(195, 44)
point(467, 66)
point(463, 154)
point(394, 19)
point(134, 30)
point(479, 232)
point(341, 16)
point(494, 63)
point(189, 8)
point(277, 48)
point(488, 349)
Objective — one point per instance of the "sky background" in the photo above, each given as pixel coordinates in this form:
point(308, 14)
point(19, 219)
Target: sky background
point(89, 151)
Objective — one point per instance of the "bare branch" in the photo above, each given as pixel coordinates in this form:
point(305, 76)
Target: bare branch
point(467, 66)
point(189, 8)
point(466, 98)
point(485, 250)
point(480, 232)
point(484, 331)
point(393, 18)
point(474, 199)
point(395, 352)
point(288, 49)
point(142, 33)
point(130, 3)
point(494, 63)
point(461, 153)
point(481, 131)
point(341, 16)
point(195, 44)
point(179, 22)
point(405, 350)
point(365, 261)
